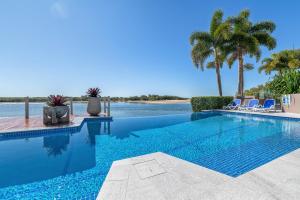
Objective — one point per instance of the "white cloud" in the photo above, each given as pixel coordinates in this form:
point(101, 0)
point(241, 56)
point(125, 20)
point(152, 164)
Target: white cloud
point(58, 9)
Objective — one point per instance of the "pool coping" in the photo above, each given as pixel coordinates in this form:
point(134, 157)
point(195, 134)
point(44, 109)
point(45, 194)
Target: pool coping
point(274, 115)
point(160, 176)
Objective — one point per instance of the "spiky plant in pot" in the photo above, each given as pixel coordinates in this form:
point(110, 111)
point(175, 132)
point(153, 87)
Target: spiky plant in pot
point(56, 100)
point(93, 92)
point(56, 110)
point(94, 105)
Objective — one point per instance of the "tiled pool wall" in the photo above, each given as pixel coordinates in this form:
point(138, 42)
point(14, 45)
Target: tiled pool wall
point(50, 130)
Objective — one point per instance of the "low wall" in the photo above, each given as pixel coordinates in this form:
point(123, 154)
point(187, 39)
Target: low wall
point(294, 106)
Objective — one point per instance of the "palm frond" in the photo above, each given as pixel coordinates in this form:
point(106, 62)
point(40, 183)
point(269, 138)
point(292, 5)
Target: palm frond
point(265, 39)
point(294, 63)
point(199, 54)
point(203, 37)
point(281, 62)
point(251, 45)
point(257, 55)
point(230, 60)
point(223, 32)
point(241, 22)
point(266, 60)
point(244, 14)
point(211, 65)
point(262, 68)
point(267, 26)
point(216, 21)
point(222, 57)
point(248, 66)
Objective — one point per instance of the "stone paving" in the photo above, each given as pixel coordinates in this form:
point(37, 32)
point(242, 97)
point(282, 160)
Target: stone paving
point(20, 123)
point(159, 176)
point(12, 124)
point(277, 114)
point(281, 114)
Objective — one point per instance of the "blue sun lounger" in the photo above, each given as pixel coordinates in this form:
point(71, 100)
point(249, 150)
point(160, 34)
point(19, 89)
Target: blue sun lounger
point(253, 103)
point(233, 105)
point(269, 105)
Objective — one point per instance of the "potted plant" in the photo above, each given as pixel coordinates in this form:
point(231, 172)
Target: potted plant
point(56, 110)
point(94, 105)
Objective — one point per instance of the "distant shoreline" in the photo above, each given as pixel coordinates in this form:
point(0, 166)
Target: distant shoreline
point(162, 101)
point(141, 102)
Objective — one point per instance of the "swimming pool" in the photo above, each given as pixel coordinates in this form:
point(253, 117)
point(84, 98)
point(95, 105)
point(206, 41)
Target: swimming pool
point(72, 163)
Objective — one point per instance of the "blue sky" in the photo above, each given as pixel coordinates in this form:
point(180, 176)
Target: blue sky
point(126, 48)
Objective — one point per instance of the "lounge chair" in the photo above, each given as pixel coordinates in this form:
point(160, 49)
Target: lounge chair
point(269, 105)
point(233, 105)
point(253, 103)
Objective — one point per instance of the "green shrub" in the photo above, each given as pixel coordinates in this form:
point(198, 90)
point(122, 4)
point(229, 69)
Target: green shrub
point(285, 83)
point(208, 103)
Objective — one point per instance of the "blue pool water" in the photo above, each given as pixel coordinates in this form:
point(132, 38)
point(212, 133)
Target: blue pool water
point(73, 163)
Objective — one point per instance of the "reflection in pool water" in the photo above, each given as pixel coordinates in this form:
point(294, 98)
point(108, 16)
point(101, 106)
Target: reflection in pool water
point(55, 154)
point(56, 145)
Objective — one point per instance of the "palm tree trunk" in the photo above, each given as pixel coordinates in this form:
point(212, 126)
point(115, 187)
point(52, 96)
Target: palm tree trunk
point(241, 74)
point(218, 73)
point(219, 78)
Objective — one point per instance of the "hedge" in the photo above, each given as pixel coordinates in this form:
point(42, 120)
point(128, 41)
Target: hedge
point(208, 103)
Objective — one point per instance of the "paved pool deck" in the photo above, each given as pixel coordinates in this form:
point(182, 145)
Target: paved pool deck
point(276, 114)
point(159, 176)
point(15, 124)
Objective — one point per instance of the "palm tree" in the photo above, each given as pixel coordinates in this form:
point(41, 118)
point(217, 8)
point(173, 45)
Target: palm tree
point(209, 44)
point(246, 39)
point(281, 62)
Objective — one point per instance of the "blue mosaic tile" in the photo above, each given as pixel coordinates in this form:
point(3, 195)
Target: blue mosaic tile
point(72, 163)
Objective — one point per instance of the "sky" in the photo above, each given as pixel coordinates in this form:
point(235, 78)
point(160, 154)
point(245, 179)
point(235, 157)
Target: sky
point(125, 47)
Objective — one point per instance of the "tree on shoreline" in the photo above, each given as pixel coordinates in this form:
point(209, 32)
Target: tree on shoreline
point(210, 44)
point(281, 62)
point(246, 38)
